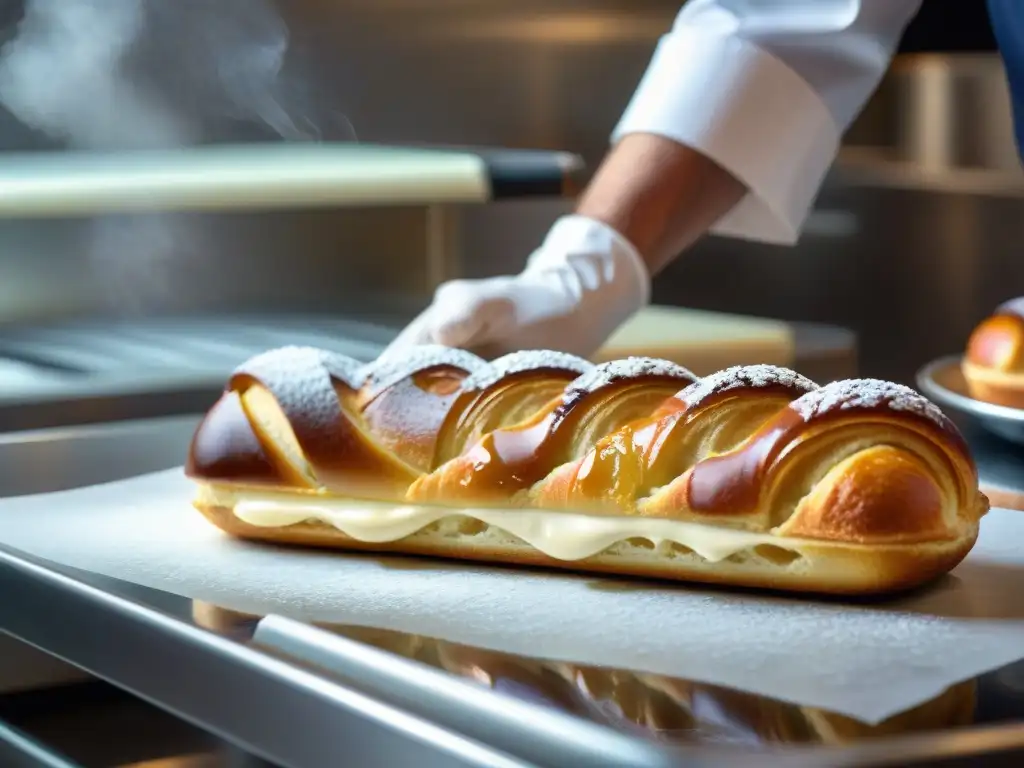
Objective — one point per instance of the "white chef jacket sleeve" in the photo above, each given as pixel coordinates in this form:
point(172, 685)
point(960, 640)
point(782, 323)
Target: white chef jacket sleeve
point(766, 88)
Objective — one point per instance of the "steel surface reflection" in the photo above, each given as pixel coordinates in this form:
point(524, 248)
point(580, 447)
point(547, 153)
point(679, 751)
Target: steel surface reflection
point(658, 707)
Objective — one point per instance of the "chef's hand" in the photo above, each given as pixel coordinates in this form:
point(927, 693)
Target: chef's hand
point(581, 284)
point(648, 202)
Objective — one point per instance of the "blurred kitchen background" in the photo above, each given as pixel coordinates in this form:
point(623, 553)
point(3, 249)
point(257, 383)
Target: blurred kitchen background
point(915, 237)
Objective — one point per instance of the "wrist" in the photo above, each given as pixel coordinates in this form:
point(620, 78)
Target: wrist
point(661, 195)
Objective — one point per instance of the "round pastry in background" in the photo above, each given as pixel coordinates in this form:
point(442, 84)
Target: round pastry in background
point(993, 365)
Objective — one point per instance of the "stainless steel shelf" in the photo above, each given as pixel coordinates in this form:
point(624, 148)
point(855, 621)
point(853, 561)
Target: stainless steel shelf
point(112, 371)
point(197, 344)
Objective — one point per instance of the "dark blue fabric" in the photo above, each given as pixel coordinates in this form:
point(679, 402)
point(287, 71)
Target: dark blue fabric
point(1008, 24)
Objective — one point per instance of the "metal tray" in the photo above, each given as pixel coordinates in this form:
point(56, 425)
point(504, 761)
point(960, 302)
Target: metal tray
point(299, 695)
point(944, 383)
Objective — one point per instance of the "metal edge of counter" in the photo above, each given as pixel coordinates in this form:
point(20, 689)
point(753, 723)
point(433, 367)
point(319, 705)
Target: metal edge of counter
point(268, 707)
point(481, 714)
point(18, 750)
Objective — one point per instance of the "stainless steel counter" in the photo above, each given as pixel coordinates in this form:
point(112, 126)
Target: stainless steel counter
point(299, 696)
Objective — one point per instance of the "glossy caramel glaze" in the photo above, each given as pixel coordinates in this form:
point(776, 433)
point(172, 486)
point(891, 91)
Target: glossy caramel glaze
point(407, 418)
point(732, 483)
point(324, 421)
point(854, 461)
point(315, 395)
point(859, 461)
point(712, 416)
point(512, 390)
point(507, 461)
point(304, 418)
point(893, 492)
point(225, 448)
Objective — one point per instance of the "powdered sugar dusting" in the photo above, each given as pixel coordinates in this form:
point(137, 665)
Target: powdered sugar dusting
point(387, 372)
point(868, 394)
point(278, 364)
point(528, 360)
point(746, 377)
point(629, 368)
point(299, 380)
point(344, 368)
point(283, 364)
point(1012, 307)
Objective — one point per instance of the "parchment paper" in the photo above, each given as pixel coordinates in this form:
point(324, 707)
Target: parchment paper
point(865, 660)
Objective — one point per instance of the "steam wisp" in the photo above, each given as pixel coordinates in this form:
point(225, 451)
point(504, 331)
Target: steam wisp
point(131, 74)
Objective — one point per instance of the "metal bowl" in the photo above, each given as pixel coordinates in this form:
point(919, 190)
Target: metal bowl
point(943, 381)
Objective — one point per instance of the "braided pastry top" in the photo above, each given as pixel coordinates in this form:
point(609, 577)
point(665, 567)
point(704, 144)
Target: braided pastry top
point(754, 447)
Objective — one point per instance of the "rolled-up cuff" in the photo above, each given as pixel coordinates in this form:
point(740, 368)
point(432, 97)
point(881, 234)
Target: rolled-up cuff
point(749, 112)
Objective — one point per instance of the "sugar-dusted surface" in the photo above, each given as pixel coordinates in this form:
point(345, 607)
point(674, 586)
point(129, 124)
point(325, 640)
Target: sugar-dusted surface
point(345, 369)
point(746, 377)
point(382, 374)
point(628, 368)
point(520, 362)
point(300, 381)
point(868, 394)
point(279, 362)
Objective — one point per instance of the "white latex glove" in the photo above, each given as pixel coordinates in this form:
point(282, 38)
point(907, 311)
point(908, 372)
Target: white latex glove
point(578, 287)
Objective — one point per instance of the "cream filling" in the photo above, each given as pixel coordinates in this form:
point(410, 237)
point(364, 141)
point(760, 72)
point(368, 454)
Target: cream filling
point(559, 535)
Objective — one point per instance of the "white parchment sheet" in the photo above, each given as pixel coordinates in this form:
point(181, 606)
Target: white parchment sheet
point(867, 660)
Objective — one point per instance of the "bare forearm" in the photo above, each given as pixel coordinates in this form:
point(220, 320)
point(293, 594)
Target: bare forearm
point(661, 195)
